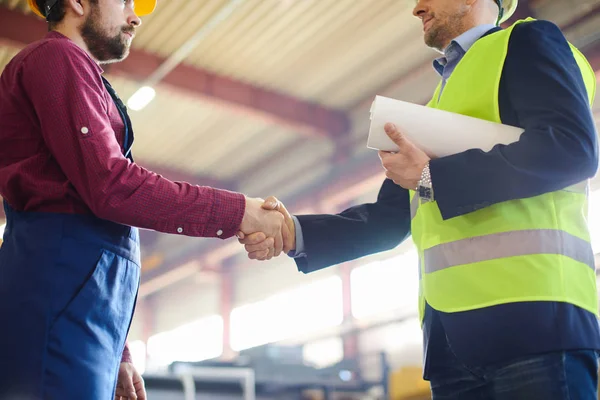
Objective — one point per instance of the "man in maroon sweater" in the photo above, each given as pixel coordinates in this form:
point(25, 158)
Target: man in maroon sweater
point(74, 198)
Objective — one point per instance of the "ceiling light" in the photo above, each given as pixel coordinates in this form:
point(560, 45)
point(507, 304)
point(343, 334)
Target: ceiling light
point(141, 98)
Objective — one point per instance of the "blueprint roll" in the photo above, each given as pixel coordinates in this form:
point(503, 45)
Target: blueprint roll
point(438, 133)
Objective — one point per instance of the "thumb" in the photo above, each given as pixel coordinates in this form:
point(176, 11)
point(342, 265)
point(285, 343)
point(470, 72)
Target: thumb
point(395, 135)
point(129, 388)
point(271, 203)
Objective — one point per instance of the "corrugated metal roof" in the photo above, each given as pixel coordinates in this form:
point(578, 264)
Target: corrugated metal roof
point(333, 52)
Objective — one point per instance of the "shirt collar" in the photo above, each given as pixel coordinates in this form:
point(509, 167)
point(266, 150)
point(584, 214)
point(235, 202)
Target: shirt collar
point(60, 36)
point(460, 45)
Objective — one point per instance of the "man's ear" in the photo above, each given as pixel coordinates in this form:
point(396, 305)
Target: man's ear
point(75, 6)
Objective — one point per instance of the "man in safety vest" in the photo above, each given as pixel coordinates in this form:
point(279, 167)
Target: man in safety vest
point(74, 198)
point(508, 298)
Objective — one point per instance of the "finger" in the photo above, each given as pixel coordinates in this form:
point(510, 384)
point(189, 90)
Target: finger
point(140, 388)
point(129, 389)
point(240, 235)
point(281, 208)
point(264, 255)
point(395, 135)
point(384, 154)
point(264, 245)
point(270, 203)
point(287, 238)
point(258, 255)
point(254, 238)
point(269, 255)
point(278, 243)
point(289, 221)
point(391, 175)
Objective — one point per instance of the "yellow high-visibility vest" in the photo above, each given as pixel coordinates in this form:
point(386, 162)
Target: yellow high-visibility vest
point(533, 249)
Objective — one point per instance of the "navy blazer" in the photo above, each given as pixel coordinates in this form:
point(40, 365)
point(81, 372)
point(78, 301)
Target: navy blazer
point(542, 91)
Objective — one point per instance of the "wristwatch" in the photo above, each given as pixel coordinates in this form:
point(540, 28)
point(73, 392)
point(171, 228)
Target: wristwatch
point(424, 187)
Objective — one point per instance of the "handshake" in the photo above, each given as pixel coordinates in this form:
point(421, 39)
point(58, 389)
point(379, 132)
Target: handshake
point(267, 229)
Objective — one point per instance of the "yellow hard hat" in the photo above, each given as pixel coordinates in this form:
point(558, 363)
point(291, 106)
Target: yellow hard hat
point(141, 7)
point(509, 7)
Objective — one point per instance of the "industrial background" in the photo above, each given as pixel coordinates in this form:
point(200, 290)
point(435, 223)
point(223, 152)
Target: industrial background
point(272, 97)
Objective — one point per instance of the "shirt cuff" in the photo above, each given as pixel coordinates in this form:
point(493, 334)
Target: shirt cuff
point(227, 214)
point(299, 251)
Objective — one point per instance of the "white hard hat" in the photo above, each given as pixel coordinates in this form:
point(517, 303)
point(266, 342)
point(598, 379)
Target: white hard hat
point(509, 7)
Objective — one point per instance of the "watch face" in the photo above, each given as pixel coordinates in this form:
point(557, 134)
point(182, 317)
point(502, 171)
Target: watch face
point(424, 192)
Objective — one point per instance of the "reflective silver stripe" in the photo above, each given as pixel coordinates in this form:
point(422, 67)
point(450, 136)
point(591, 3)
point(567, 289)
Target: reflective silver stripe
point(508, 244)
point(414, 206)
point(581, 187)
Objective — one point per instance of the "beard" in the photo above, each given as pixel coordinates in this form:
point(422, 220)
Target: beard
point(103, 47)
point(443, 30)
point(436, 37)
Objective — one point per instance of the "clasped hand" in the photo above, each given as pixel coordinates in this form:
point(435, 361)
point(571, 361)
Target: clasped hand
point(267, 229)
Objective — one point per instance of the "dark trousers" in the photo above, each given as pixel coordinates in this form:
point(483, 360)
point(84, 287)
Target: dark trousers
point(568, 375)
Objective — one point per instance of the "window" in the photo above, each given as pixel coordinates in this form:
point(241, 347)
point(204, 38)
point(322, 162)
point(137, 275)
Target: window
point(385, 286)
point(137, 349)
point(197, 341)
point(324, 353)
point(292, 313)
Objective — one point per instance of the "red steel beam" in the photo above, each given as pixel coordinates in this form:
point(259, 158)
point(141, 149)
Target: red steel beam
point(175, 174)
point(302, 116)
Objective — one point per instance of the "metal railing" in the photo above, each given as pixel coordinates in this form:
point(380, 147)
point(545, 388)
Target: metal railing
point(188, 376)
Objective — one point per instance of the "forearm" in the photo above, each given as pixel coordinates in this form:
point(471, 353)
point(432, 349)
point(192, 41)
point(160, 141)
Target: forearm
point(356, 232)
point(132, 195)
point(473, 180)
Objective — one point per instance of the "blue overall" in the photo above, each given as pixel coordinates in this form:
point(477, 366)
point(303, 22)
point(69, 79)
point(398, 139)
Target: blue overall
point(68, 287)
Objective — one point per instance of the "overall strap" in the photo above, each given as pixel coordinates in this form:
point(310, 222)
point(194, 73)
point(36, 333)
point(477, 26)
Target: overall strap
point(128, 140)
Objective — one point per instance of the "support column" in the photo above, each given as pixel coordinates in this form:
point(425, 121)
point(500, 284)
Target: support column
point(350, 339)
point(226, 305)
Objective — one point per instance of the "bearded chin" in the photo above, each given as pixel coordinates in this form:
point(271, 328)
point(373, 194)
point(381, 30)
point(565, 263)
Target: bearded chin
point(105, 49)
point(432, 39)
